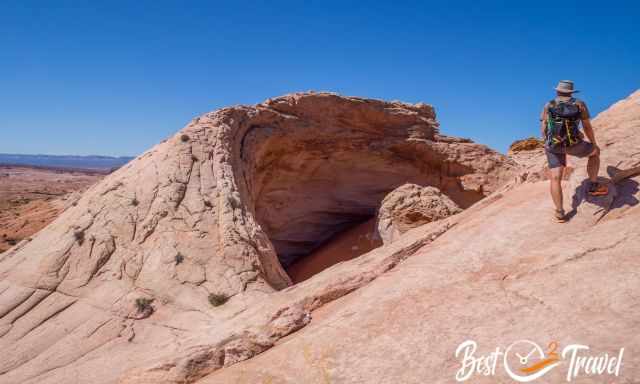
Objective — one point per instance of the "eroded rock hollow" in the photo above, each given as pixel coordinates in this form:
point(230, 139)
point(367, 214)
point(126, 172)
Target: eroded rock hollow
point(214, 212)
point(316, 164)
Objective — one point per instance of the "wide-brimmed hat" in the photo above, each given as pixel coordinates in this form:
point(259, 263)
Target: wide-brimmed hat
point(565, 86)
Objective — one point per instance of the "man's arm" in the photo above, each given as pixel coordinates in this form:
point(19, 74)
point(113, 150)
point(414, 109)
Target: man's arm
point(543, 123)
point(588, 130)
point(586, 124)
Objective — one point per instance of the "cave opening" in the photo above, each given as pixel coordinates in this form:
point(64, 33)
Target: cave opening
point(316, 194)
point(348, 242)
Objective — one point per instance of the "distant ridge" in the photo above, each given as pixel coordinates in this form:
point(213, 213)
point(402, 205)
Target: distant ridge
point(92, 162)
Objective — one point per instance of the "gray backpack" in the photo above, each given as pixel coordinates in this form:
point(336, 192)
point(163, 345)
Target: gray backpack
point(563, 123)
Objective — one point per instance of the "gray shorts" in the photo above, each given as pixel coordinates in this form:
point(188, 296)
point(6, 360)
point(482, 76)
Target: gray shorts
point(557, 157)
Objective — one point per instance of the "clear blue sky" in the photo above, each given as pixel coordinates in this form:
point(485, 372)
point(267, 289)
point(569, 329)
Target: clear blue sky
point(114, 78)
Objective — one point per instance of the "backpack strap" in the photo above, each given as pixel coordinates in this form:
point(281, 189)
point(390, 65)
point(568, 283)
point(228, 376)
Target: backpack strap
point(580, 105)
point(550, 105)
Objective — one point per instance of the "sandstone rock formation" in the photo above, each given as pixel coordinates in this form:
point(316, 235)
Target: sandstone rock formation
point(528, 144)
point(499, 272)
point(118, 289)
point(410, 206)
point(172, 267)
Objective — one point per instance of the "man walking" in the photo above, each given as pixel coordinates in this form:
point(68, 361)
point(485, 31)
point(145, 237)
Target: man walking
point(560, 127)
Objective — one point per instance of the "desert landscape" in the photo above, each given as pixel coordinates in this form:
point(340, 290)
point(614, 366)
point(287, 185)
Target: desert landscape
point(31, 197)
point(325, 192)
point(318, 238)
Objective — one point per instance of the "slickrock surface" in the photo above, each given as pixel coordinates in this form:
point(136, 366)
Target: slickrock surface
point(410, 206)
point(121, 287)
point(118, 288)
point(502, 272)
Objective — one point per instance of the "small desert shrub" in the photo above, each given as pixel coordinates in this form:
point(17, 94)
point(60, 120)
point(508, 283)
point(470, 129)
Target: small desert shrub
point(207, 204)
point(143, 304)
point(179, 258)
point(217, 299)
point(74, 203)
point(193, 158)
point(135, 202)
point(12, 242)
point(184, 138)
point(78, 234)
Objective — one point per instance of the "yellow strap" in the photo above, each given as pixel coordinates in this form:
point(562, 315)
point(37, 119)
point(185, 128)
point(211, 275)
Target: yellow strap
point(566, 124)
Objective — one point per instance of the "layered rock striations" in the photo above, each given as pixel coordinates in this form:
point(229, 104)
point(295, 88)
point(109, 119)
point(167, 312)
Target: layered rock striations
point(173, 266)
point(500, 271)
point(410, 206)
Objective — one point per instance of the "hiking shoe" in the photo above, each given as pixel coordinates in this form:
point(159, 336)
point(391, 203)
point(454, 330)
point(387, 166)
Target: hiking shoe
point(598, 189)
point(560, 216)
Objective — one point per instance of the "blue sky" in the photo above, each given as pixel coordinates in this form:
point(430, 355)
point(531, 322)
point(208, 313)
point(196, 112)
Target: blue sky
point(114, 78)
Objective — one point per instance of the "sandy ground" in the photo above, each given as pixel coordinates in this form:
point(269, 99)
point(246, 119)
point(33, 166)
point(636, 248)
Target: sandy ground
point(344, 246)
point(30, 198)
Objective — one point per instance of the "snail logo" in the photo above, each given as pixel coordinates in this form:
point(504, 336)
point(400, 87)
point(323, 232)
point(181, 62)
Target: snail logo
point(525, 361)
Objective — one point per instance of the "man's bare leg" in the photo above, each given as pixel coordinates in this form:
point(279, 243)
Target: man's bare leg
point(593, 166)
point(556, 186)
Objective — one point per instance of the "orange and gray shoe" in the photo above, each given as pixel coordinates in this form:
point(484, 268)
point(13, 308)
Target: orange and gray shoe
point(598, 189)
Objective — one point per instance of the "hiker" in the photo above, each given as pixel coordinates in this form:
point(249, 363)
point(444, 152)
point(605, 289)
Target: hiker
point(560, 128)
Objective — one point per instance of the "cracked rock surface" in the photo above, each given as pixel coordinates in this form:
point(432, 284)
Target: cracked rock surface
point(410, 206)
point(119, 288)
point(172, 267)
point(498, 272)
